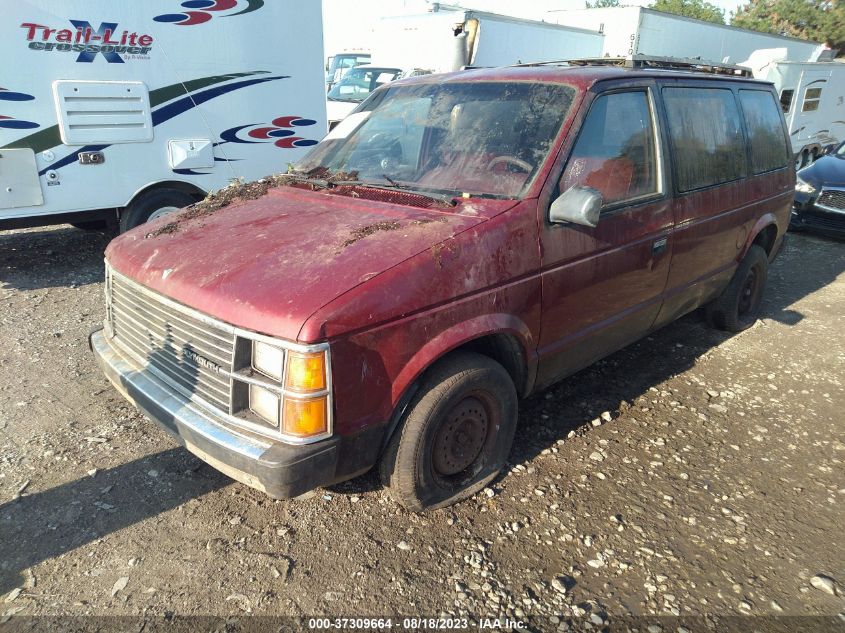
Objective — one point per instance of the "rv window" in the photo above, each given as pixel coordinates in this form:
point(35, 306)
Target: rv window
point(707, 140)
point(765, 131)
point(811, 99)
point(786, 99)
point(615, 152)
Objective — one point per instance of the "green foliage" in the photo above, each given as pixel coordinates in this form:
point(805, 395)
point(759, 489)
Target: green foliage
point(699, 9)
point(817, 20)
point(603, 4)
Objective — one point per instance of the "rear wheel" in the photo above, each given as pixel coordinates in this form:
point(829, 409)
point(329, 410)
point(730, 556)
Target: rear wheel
point(738, 307)
point(153, 205)
point(456, 435)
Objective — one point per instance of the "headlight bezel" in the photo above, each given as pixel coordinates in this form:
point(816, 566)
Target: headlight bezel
point(247, 377)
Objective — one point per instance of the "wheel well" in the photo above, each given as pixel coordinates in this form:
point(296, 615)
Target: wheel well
point(505, 350)
point(192, 190)
point(766, 238)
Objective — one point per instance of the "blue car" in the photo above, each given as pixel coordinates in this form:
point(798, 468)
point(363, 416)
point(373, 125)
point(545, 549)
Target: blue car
point(820, 195)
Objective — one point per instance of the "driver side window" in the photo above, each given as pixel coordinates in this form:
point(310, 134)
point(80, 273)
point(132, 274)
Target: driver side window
point(616, 152)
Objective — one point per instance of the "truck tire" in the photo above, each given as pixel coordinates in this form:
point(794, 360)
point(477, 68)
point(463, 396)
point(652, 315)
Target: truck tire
point(738, 307)
point(456, 436)
point(153, 205)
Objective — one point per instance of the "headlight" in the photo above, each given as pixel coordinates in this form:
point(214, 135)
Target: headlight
point(804, 187)
point(265, 403)
point(298, 404)
point(268, 360)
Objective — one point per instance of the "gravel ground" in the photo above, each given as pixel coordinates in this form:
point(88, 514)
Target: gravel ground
point(693, 473)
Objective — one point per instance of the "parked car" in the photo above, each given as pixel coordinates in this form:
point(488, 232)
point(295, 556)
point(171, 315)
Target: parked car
point(357, 84)
point(820, 195)
point(461, 242)
point(339, 64)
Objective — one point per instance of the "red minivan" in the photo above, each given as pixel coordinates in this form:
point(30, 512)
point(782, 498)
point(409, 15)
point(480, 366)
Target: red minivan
point(459, 242)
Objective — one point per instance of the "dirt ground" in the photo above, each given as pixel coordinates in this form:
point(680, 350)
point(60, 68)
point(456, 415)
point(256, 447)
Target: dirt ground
point(692, 474)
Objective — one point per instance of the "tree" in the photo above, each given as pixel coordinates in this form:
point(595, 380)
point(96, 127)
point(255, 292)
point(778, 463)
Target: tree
point(817, 20)
point(603, 4)
point(700, 9)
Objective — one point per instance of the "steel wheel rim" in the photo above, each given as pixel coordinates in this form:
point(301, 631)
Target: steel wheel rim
point(461, 438)
point(749, 293)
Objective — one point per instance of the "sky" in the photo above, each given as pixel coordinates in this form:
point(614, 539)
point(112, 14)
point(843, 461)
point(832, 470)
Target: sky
point(347, 22)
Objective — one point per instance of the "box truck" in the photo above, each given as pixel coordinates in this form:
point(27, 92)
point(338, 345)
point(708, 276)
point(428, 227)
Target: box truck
point(134, 109)
point(639, 31)
point(448, 38)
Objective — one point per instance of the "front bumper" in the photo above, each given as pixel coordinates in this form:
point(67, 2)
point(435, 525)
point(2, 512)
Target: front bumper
point(280, 470)
point(807, 215)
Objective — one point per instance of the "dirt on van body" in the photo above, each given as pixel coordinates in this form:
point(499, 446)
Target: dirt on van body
point(693, 473)
point(216, 200)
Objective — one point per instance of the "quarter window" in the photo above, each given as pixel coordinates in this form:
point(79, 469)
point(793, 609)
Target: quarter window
point(765, 131)
point(811, 99)
point(616, 152)
point(706, 133)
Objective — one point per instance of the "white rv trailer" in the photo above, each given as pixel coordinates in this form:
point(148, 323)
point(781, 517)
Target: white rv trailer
point(812, 95)
point(448, 38)
point(142, 107)
point(639, 31)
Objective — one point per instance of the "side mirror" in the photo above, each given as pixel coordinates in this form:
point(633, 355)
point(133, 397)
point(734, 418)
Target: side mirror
point(579, 205)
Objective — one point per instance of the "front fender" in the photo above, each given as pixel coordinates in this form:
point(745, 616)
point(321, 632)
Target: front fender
point(461, 334)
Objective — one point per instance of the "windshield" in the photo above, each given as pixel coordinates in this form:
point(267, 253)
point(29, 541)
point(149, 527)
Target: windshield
point(474, 138)
point(841, 150)
point(358, 83)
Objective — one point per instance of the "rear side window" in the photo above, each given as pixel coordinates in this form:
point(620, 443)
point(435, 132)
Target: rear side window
point(615, 152)
point(706, 134)
point(765, 131)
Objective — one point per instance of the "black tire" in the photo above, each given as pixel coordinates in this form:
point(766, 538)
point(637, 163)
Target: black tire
point(738, 307)
point(91, 225)
point(147, 204)
point(456, 435)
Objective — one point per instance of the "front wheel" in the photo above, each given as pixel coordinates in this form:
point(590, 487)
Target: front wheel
point(738, 307)
point(456, 436)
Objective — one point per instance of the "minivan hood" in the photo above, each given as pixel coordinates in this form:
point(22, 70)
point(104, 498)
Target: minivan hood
point(267, 265)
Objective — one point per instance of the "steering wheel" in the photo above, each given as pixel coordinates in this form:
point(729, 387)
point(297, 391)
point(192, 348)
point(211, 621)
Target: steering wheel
point(511, 160)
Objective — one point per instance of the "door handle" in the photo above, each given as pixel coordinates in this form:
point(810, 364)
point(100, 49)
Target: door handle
point(659, 245)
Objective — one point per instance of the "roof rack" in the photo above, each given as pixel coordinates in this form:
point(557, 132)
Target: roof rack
point(662, 63)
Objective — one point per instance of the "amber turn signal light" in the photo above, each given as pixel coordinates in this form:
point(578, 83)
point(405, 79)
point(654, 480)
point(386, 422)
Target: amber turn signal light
point(306, 418)
point(306, 372)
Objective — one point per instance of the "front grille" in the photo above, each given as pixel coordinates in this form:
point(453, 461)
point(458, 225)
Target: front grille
point(187, 352)
point(832, 199)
